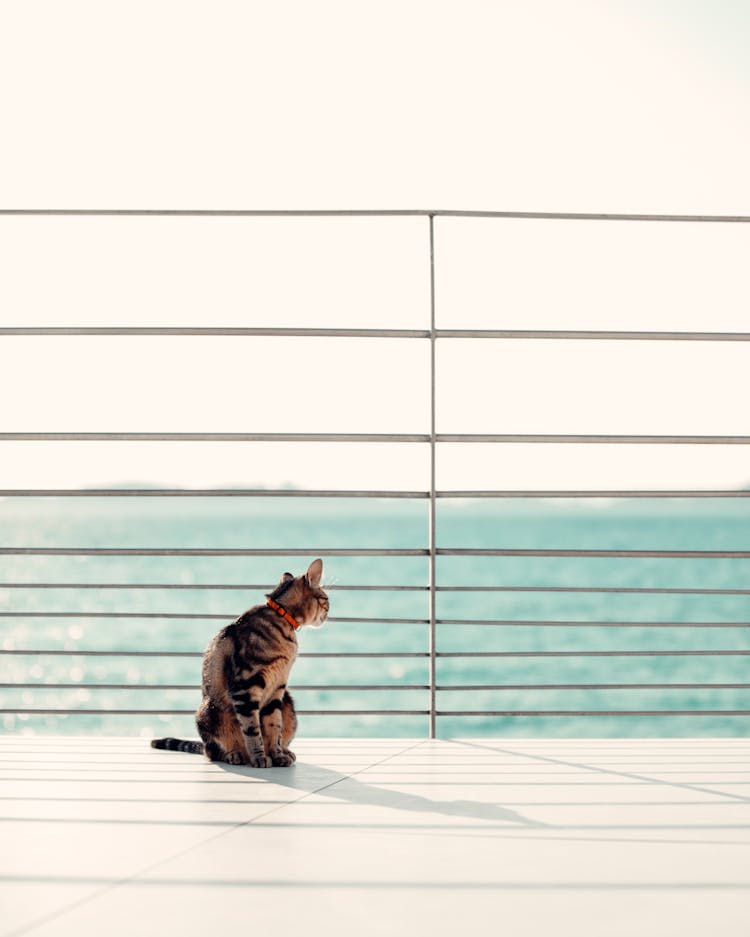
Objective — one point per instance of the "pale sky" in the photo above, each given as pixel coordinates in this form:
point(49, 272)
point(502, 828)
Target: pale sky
point(600, 107)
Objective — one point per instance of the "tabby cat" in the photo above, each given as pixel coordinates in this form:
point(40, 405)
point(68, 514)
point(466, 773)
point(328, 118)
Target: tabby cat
point(247, 715)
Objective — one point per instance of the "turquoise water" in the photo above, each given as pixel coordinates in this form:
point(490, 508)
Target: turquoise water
point(320, 525)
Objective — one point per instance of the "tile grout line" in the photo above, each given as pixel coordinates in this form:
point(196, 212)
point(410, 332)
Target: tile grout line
point(599, 770)
point(29, 928)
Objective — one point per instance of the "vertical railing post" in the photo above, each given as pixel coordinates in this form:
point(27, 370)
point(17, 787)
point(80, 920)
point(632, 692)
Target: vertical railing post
point(432, 521)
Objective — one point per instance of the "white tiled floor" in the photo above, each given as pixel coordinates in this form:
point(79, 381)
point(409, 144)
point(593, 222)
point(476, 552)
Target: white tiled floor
point(379, 836)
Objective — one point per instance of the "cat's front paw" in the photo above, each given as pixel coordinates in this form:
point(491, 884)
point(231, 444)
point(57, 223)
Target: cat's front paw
point(259, 761)
point(235, 758)
point(283, 759)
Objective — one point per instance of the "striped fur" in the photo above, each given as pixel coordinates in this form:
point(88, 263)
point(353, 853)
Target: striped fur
point(179, 745)
point(247, 715)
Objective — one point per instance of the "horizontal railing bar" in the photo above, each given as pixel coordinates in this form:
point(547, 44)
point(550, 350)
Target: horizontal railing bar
point(359, 686)
point(198, 616)
point(191, 712)
point(213, 437)
point(234, 587)
point(363, 712)
point(395, 712)
point(203, 493)
point(390, 621)
point(597, 686)
point(592, 335)
point(525, 438)
point(340, 551)
point(596, 439)
point(379, 620)
point(99, 686)
point(339, 493)
point(260, 587)
point(180, 551)
point(47, 652)
point(595, 712)
point(593, 493)
point(587, 216)
point(296, 332)
point(165, 615)
point(673, 554)
point(233, 331)
point(91, 653)
point(369, 212)
point(196, 687)
point(617, 653)
point(347, 654)
point(223, 212)
point(626, 590)
point(538, 623)
point(98, 712)
point(516, 687)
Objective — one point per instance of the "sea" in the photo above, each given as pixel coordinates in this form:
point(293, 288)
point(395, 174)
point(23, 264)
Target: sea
point(691, 637)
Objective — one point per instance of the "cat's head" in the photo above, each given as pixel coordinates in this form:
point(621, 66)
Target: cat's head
point(303, 597)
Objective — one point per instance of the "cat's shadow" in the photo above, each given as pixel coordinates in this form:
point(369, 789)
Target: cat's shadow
point(313, 779)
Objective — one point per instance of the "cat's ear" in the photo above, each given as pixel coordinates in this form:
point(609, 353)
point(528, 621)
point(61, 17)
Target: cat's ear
point(314, 573)
point(285, 579)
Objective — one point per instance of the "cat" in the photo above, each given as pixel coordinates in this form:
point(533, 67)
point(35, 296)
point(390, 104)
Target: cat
point(247, 715)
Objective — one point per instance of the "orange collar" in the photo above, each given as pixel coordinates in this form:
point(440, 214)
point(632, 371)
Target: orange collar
point(283, 612)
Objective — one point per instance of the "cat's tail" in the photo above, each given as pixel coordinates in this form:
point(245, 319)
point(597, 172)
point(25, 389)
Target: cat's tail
point(179, 745)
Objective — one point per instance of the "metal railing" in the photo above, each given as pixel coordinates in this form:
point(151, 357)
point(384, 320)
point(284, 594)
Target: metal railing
point(431, 494)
